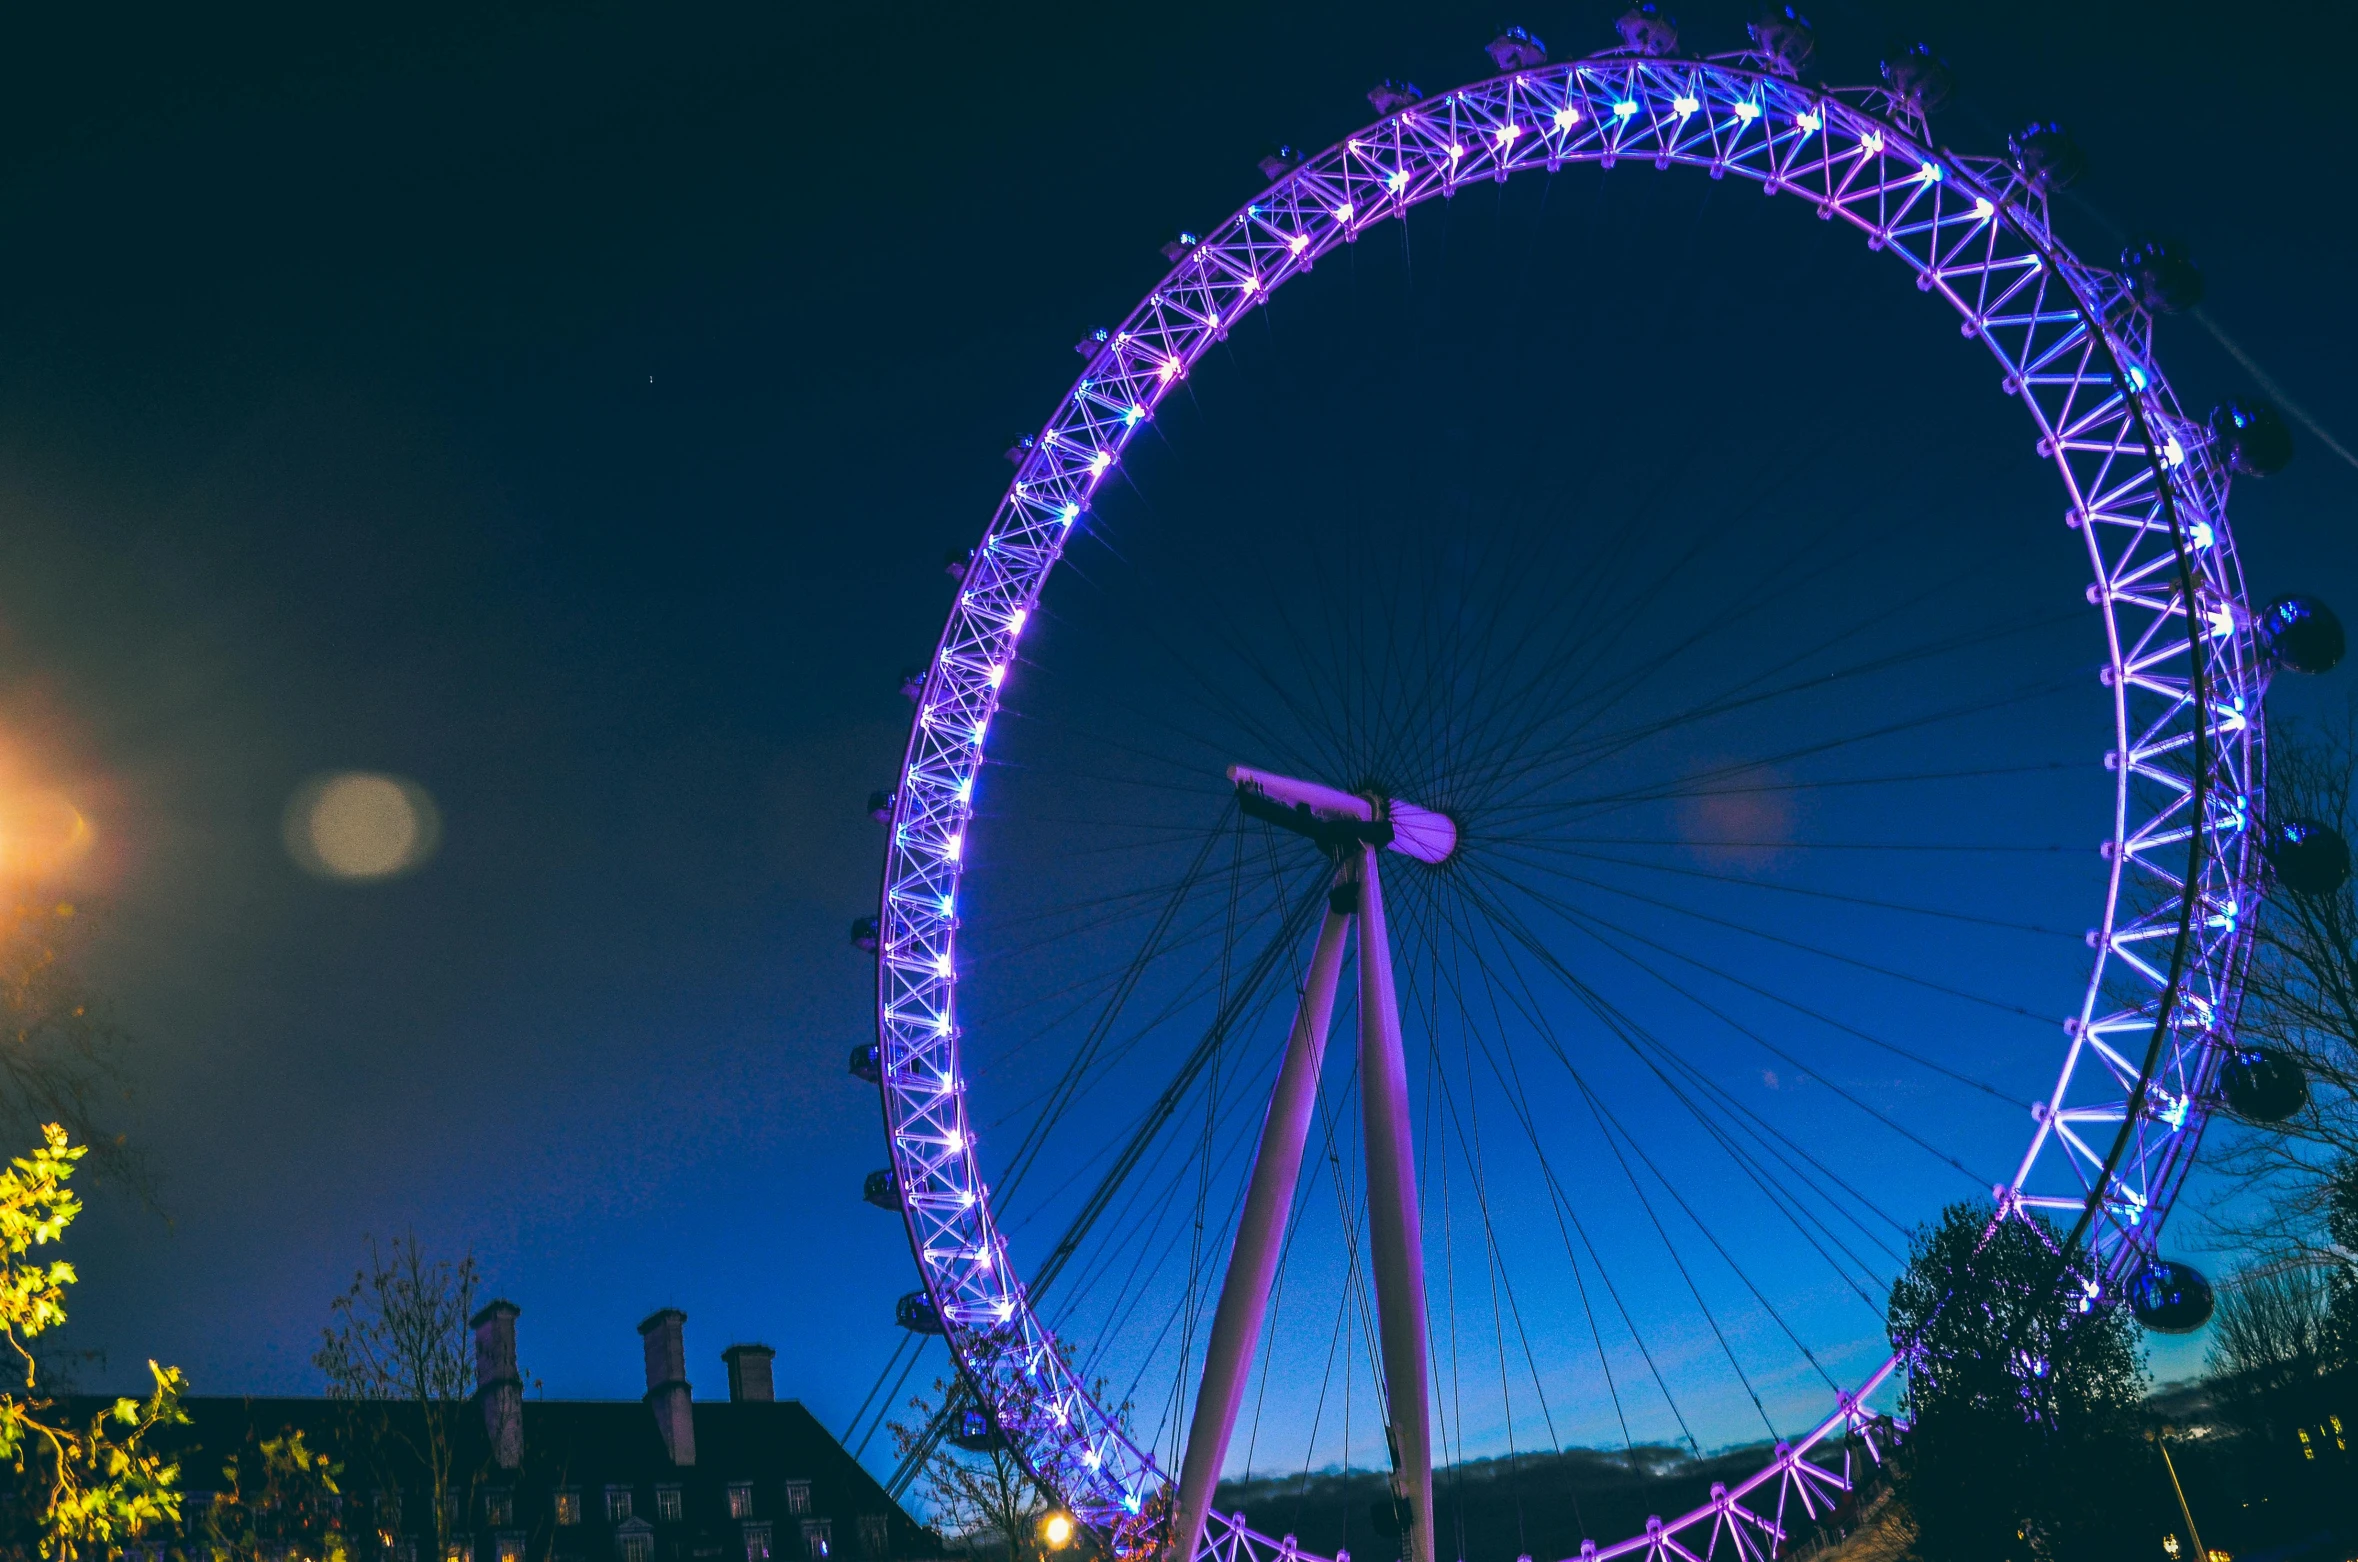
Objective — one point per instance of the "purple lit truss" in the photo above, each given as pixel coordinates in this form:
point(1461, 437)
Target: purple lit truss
point(2112, 1142)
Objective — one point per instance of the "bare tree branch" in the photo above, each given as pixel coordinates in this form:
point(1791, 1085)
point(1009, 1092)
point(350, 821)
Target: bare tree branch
point(399, 1337)
point(2278, 1181)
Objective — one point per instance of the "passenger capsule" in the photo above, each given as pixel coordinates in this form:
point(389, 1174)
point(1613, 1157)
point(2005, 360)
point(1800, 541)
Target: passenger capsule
point(1388, 95)
point(1919, 78)
point(880, 807)
point(2309, 858)
point(864, 932)
point(1516, 49)
point(2301, 634)
point(912, 684)
point(882, 1189)
point(2170, 1298)
point(914, 1312)
point(2162, 279)
point(2262, 1085)
point(1647, 30)
point(2251, 437)
point(1278, 161)
point(867, 1062)
point(976, 1432)
point(2046, 155)
point(1784, 38)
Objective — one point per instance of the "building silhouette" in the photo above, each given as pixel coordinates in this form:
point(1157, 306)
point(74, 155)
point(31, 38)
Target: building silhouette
point(661, 1479)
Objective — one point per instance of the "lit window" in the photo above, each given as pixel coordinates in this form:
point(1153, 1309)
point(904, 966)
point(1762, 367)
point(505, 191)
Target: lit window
point(818, 1541)
point(568, 1507)
point(757, 1542)
point(617, 1504)
point(740, 1499)
point(798, 1497)
point(637, 1548)
point(499, 1508)
point(875, 1534)
point(458, 1551)
point(511, 1547)
point(667, 1504)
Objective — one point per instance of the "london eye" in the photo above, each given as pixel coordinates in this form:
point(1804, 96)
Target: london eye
point(1507, 803)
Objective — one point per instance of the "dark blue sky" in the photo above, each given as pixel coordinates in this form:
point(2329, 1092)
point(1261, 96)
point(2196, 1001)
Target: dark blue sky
point(569, 407)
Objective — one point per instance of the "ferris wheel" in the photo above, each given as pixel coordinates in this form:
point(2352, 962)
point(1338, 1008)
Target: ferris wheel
point(1315, 835)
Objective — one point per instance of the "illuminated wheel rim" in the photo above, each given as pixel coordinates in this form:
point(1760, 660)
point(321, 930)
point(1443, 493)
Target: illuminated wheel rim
point(2111, 1142)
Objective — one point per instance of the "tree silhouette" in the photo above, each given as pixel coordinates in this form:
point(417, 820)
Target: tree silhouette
point(2022, 1400)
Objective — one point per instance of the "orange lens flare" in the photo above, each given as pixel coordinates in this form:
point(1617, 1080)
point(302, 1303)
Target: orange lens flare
point(41, 835)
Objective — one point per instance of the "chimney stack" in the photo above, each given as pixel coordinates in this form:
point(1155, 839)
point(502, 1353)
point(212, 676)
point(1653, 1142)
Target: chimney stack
point(667, 1383)
point(749, 1374)
point(498, 1388)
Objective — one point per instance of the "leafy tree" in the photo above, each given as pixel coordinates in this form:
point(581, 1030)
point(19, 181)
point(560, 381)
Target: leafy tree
point(87, 1487)
point(983, 1501)
point(397, 1352)
point(2022, 1406)
point(280, 1499)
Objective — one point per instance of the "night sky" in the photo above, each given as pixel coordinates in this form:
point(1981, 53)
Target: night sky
point(569, 408)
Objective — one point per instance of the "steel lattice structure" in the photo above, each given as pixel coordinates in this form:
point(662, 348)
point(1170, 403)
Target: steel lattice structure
point(2115, 1137)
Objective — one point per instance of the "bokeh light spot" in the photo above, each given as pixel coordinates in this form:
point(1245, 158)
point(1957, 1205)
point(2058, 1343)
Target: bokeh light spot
point(358, 826)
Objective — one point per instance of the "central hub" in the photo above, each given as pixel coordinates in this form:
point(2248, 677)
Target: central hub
point(1335, 818)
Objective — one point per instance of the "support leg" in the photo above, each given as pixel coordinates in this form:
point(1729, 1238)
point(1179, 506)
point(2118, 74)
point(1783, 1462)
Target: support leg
point(1260, 1237)
point(1394, 1227)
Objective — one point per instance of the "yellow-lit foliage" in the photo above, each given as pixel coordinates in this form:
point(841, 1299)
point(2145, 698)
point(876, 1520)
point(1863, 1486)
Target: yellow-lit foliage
point(282, 1500)
point(94, 1487)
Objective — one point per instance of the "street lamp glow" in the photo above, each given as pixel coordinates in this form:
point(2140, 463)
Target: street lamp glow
point(1057, 1530)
